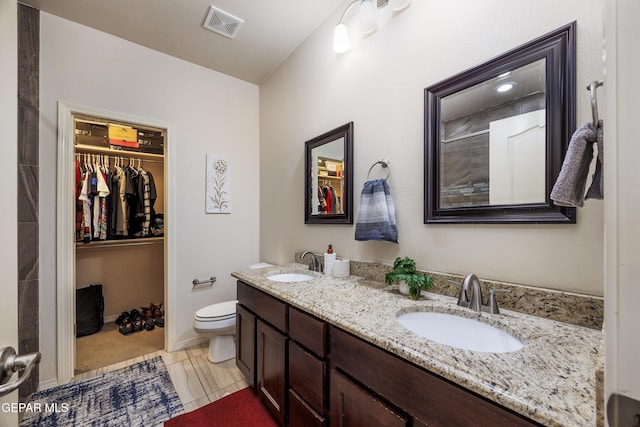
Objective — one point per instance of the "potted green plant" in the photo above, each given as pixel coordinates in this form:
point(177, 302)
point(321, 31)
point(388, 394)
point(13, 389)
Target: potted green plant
point(405, 275)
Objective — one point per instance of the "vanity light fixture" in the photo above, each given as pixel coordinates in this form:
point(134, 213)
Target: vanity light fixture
point(368, 17)
point(368, 21)
point(397, 5)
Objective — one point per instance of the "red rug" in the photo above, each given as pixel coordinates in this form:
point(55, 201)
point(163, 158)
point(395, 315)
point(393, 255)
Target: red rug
point(240, 409)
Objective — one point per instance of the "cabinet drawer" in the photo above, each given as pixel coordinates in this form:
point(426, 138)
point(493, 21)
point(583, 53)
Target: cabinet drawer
point(432, 399)
point(307, 376)
point(308, 331)
point(301, 414)
point(265, 306)
point(354, 406)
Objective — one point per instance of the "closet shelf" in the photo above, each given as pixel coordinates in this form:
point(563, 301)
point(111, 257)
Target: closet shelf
point(103, 244)
point(121, 153)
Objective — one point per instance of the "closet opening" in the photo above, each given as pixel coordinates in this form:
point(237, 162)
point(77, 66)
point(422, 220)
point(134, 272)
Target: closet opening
point(113, 247)
point(119, 241)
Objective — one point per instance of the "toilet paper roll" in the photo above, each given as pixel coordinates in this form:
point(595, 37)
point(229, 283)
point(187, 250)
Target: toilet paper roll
point(341, 268)
point(329, 259)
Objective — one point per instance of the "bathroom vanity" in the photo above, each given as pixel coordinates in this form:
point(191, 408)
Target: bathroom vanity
point(329, 352)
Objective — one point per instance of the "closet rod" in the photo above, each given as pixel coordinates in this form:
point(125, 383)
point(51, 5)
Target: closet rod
point(104, 150)
point(112, 157)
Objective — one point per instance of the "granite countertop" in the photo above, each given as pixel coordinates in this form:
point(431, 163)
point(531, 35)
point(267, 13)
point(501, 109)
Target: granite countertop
point(550, 380)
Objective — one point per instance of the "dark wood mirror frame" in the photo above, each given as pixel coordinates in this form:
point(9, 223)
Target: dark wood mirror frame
point(346, 217)
point(559, 50)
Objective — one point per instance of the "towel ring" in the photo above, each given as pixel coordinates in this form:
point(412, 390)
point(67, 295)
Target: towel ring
point(592, 87)
point(385, 165)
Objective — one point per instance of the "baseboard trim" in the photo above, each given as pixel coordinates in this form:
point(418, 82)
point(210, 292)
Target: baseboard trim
point(47, 384)
point(191, 342)
point(109, 319)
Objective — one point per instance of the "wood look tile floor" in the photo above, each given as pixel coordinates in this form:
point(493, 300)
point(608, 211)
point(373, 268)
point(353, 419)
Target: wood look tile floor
point(196, 380)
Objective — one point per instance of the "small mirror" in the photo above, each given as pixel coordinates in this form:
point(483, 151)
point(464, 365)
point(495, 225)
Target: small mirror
point(496, 136)
point(329, 177)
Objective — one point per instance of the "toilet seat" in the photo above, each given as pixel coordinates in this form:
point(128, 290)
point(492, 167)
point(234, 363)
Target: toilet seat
point(217, 312)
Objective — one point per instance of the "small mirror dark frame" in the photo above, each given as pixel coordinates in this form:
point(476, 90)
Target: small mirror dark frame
point(346, 217)
point(558, 48)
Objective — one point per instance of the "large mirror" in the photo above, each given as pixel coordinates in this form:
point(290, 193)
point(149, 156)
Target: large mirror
point(496, 135)
point(329, 177)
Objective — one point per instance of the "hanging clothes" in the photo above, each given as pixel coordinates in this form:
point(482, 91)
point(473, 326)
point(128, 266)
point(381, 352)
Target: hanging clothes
point(86, 207)
point(113, 203)
point(79, 182)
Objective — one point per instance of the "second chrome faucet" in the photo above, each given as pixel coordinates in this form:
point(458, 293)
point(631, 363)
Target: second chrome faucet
point(314, 265)
point(471, 295)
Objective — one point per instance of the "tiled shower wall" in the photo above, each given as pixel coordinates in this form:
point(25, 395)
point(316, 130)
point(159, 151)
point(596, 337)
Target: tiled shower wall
point(28, 144)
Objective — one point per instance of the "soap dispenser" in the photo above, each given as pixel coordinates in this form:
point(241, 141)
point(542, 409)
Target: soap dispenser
point(329, 258)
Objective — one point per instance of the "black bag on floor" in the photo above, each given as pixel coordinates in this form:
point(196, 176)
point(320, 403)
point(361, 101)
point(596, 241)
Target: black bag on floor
point(89, 310)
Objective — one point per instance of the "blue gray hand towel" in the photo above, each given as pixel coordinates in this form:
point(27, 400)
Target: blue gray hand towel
point(376, 213)
point(572, 180)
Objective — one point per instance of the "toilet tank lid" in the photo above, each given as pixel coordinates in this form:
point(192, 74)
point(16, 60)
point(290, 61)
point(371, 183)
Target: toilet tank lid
point(222, 309)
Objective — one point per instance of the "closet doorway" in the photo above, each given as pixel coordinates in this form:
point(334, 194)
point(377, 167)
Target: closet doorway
point(122, 243)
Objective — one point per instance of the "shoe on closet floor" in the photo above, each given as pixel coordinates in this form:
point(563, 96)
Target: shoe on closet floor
point(149, 324)
point(158, 315)
point(147, 312)
point(122, 316)
point(126, 325)
point(136, 319)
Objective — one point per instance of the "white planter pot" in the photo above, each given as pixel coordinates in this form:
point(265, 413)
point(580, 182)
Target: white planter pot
point(403, 287)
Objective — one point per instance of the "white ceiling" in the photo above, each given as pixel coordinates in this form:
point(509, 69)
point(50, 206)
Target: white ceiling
point(271, 30)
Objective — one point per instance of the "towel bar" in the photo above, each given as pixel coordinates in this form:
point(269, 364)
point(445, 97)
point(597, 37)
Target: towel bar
point(197, 282)
point(592, 87)
point(385, 165)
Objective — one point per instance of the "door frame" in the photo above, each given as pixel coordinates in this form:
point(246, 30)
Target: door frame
point(65, 230)
point(9, 190)
point(621, 208)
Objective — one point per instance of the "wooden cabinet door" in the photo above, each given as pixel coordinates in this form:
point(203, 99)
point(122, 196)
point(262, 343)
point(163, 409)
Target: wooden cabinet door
point(307, 376)
point(353, 406)
point(246, 343)
point(271, 369)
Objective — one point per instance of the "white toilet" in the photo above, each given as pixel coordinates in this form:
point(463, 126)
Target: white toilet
point(218, 322)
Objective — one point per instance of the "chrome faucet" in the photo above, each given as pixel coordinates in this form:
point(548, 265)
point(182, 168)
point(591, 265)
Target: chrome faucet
point(314, 265)
point(471, 285)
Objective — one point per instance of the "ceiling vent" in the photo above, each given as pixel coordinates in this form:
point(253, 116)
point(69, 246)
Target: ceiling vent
point(222, 23)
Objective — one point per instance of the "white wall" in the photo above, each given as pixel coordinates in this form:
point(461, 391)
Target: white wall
point(212, 113)
point(379, 85)
point(8, 189)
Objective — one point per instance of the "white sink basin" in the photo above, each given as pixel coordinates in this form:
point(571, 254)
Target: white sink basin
point(459, 332)
point(290, 277)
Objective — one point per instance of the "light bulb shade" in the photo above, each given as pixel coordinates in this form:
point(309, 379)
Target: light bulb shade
point(340, 38)
point(368, 20)
point(396, 5)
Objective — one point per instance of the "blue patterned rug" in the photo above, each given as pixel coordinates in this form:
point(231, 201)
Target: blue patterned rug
point(138, 395)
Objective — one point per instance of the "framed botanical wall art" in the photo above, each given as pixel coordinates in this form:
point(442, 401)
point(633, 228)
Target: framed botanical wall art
point(218, 188)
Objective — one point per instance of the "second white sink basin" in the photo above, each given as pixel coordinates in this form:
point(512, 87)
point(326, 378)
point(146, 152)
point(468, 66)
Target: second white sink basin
point(460, 332)
point(290, 277)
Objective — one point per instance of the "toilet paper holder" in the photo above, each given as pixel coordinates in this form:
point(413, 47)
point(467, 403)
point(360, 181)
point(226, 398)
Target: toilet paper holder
point(201, 283)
